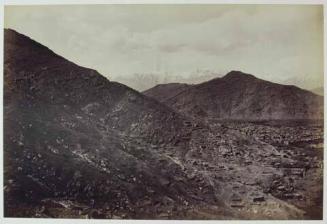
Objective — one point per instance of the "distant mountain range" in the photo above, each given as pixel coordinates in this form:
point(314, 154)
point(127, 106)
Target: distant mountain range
point(238, 95)
point(144, 81)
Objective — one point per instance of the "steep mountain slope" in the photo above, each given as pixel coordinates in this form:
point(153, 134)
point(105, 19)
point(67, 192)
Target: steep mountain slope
point(70, 135)
point(164, 92)
point(242, 96)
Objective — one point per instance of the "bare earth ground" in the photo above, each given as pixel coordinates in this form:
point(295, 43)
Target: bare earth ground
point(267, 170)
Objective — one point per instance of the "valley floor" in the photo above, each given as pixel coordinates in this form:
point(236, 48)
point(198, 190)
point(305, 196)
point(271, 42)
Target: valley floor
point(270, 170)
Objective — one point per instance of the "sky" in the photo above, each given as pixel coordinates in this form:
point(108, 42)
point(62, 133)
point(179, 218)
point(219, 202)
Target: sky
point(175, 43)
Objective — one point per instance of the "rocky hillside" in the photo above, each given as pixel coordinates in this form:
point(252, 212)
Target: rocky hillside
point(70, 135)
point(164, 92)
point(77, 145)
point(240, 96)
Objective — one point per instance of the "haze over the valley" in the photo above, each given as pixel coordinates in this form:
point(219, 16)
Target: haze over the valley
point(181, 43)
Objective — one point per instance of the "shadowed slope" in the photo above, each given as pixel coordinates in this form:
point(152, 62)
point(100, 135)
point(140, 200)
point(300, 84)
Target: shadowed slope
point(72, 135)
point(242, 96)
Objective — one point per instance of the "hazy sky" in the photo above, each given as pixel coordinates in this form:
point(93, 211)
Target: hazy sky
point(281, 43)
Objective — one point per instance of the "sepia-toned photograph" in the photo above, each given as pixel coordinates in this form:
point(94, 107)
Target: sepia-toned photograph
point(163, 111)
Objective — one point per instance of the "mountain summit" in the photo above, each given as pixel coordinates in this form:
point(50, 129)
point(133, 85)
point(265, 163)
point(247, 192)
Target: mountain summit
point(238, 95)
point(238, 75)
